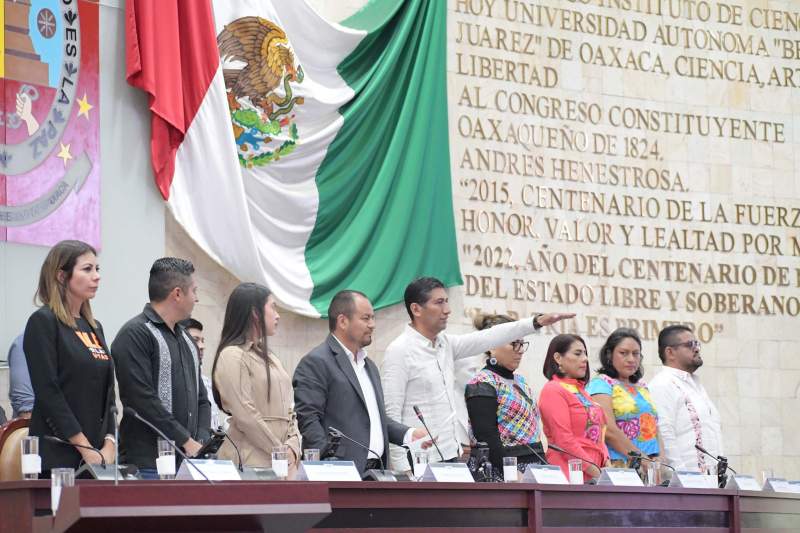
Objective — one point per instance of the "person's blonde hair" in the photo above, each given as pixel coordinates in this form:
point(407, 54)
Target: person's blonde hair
point(52, 292)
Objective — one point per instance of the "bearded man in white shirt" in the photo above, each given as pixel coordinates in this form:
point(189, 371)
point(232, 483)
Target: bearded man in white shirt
point(418, 368)
point(686, 414)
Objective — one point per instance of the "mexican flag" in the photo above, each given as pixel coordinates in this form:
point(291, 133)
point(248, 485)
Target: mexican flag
point(302, 154)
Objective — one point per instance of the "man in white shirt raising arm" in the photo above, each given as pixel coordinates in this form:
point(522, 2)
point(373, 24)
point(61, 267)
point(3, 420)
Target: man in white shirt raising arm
point(418, 366)
point(686, 414)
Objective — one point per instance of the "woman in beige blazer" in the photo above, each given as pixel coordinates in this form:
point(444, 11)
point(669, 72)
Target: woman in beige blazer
point(250, 383)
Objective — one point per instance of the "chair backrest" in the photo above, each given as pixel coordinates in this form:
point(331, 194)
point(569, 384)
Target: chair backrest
point(11, 435)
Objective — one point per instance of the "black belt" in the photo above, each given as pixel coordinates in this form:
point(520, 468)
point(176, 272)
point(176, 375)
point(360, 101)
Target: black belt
point(373, 464)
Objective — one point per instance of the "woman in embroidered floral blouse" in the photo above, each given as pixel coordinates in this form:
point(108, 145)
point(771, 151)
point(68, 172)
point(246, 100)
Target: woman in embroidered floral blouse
point(502, 408)
point(624, 397)
point(570, 418)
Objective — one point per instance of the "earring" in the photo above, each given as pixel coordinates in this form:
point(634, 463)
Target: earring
point(493, 360)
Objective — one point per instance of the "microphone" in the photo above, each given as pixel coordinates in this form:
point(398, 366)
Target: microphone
point(542, 459)
point(639, 457)
point(718, 458)
point(235, 447)
point(336, 433)
point(722, 465)
point(52, 438)
point(113, 411)
point(132, 412)
point(565, 452)
point(331, 447)
point(428, 431)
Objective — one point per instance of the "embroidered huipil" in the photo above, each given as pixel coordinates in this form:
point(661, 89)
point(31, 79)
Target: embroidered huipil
point(574, 422)
point(686, 416)
point(634, 411)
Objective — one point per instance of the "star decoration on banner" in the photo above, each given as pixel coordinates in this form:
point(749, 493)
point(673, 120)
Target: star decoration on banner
point(64, 153)
point(85, 106)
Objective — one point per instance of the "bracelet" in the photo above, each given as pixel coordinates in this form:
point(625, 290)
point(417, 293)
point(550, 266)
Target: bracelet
point(111, 438)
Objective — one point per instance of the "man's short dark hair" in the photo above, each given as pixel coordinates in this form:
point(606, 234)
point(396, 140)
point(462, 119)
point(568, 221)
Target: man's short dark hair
point(668, 337)
point(419, 292)
point(166, 274)
point(343, 303)
point(191, 323)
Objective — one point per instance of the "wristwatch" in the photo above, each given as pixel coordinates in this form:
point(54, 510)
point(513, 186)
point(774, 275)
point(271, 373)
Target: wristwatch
point(536, 324)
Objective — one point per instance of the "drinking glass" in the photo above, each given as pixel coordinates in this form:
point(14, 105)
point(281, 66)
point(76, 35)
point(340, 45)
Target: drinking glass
point(420, 464)
point(165, 464)
point(575, 471)
point(510, 474)
point(60, 478)
point(280, 461)
point(311, 454)
point(31, 462)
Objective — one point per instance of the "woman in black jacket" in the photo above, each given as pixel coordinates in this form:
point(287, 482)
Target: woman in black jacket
point(71, 370)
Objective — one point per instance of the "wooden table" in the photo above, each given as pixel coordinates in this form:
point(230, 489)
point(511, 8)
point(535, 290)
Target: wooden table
point(391, 508)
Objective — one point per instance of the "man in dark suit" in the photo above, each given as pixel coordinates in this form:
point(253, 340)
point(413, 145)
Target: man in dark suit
point(337, 385)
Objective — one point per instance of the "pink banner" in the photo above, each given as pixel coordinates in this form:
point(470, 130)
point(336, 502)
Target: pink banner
point(50, 183)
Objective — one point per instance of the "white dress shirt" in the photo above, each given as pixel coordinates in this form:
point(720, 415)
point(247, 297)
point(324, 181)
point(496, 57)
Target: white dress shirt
point(375, 426)
point(674, 392)
point(419, 372)
point(218, 418)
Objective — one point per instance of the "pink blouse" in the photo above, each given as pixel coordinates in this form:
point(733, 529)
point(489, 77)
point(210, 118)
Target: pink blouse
point(574, 422)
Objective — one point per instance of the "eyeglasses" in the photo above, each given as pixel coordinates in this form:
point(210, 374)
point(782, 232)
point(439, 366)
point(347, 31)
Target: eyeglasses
point(520, 346)
point(688, 344)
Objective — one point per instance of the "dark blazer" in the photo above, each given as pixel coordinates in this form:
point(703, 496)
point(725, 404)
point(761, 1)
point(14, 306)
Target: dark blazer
point(73, 384)
point(327, 393)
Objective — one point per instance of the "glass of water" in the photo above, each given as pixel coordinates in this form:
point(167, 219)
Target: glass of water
point(60, 478)
point(280, 461)
point(31, 462)
point(420, 463)
point(510, 474)
point(165, 464)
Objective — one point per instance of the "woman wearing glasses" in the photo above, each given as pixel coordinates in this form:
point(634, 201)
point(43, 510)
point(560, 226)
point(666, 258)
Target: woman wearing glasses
point(502, 408)
point(624, 397)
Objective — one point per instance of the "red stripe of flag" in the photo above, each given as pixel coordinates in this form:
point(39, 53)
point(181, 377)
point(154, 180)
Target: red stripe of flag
point(172, 55)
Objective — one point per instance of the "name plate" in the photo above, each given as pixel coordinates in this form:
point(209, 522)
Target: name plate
point(778, 484)
point(693, 480)
point(620, 477)
point(795, 486)
point(448, 472)
point(742, 482)
point(258, 473)
point(544, 474)
point(328, 471)
point(214, 469)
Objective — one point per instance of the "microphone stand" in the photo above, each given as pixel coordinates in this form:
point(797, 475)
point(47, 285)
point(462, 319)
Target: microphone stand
point(134, 414)
point(565, 452)
point(53, 438)
point(116, 443)
point(428, 431)
point(238, 455)
point(338, 433)
point(534, 452)
point(722, 466)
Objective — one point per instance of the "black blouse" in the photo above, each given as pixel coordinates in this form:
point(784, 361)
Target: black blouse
point(72, 376)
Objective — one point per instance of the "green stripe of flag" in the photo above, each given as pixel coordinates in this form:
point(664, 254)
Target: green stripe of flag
point(385, 200)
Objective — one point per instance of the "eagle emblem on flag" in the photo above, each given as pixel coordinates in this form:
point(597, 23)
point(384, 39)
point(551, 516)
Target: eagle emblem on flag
point(259, 68)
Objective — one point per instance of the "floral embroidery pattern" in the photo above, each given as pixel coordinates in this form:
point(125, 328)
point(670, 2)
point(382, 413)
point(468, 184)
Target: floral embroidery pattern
point(648, 426)
point(698, 432)
point(634, 412)
point(594, 429)
point(629, 427)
